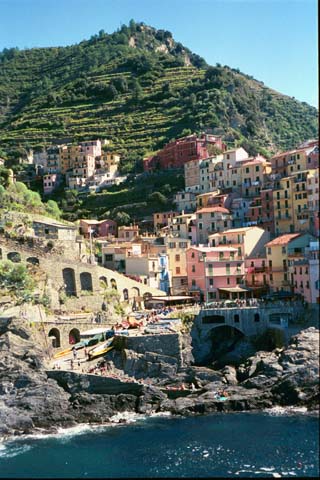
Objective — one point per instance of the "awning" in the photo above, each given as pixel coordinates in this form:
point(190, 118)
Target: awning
point(172, 297)
point(234, 289)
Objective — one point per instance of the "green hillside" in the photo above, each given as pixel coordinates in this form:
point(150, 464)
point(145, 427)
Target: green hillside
point(139, 88)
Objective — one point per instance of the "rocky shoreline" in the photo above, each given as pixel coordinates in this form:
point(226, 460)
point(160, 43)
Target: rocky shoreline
point(29, 400)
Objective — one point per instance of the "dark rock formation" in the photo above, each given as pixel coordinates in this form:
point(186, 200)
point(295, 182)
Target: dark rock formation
point(30, 399)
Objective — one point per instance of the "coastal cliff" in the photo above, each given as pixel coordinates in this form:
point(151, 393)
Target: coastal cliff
point(29, 399)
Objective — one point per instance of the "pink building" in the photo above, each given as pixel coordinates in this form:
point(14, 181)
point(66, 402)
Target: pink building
point(305, 274)
point(256, 274)
point(215, 272)
point(91, 147)
point(99, 228)
point(50, 182)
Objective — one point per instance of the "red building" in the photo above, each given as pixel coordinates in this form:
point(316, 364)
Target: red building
point(178, 152)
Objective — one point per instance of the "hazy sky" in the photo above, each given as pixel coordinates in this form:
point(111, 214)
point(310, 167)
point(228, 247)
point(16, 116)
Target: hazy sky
point(273, 40)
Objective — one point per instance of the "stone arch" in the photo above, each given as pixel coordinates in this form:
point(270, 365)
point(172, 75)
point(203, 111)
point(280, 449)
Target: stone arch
point(113, 284)
point(135, 291)
point(125, 294)
point(103, 281)
point(69, 281)
point(74, 336)
point(33, 260)
point(54, 335)
point(86, 281)
point(222, 340)
point(14, 257)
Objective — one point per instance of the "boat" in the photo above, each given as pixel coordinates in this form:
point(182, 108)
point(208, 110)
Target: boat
point(99, 348)
point(62, 353)
point(100, 352)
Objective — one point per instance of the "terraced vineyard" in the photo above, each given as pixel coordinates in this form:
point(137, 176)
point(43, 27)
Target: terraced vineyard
point(139, 88)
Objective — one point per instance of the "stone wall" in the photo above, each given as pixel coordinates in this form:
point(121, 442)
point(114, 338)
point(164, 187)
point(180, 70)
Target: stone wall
point(168, 344)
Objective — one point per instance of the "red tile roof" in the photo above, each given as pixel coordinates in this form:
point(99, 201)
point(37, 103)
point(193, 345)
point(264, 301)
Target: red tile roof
point(213, 209)
point(283, 239)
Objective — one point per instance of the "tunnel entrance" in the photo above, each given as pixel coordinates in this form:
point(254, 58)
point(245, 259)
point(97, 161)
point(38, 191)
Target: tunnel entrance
point(224, 340)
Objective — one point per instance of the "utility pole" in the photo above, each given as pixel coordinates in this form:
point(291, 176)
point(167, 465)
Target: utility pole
point(90, 240)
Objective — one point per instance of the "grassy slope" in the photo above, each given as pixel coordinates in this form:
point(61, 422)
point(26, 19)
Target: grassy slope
point(173, 97)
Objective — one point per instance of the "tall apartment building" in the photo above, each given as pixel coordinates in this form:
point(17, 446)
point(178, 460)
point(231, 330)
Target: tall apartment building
point(178, 152)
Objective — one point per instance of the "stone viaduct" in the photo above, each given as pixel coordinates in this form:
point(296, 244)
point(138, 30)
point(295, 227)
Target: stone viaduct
point(83, 283)
point(238, 322)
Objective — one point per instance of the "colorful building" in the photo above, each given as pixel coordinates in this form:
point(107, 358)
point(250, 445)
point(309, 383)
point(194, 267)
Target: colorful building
point(178, 152)
point(177, 264)
point(249, 241)
point(290, 246)
point(211, 220)
point(161, 219)
point(99, 228)
point(127, 234)
point(215, 273)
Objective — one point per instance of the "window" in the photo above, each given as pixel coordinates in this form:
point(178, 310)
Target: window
point(228, 268)
point(178, 270)
point(177, 257)
point(193, 268)
point(269, 250)
point(192, 255)
point(212, 214)
point(200, 226)
point(236, 318)
point(257, 168)
point(108, 258)
point(211, 282)
point(228, 281)
point(247, 169)
point(284, 249)
point(172, 245)
point(193, 283)
point(213, 226)
point(307, 284)
point(270, 263)
point(200, 215)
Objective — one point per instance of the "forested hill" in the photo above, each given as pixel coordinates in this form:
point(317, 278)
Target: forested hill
point(139, 88)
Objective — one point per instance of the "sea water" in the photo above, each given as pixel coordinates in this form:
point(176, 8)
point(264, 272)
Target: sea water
point(270, 444)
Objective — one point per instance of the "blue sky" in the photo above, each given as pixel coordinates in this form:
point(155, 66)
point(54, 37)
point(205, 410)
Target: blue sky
point(273, 40)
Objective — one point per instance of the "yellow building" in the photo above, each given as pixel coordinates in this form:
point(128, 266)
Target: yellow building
point(253, 174)
point(292, 161)
point(279, 251)
point(176, 250)
point(283, 206)
point(294, 200)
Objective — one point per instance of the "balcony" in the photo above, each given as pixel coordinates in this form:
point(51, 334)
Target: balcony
point(260, 269)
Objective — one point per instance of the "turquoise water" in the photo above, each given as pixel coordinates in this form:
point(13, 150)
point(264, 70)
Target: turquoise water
point(219, 445)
